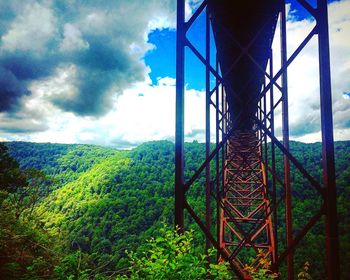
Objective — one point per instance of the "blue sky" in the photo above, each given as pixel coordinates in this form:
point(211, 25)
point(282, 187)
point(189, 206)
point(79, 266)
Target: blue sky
point(162, 59)
point(102, 72)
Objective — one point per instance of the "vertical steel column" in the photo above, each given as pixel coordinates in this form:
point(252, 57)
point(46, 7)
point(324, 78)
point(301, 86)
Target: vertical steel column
point(179, 130)
point(265, 164)
point(223, 162)
point(265, 138)
point(285, 128)
point(273, 163)
point(332, 243)
point(259, 135)
point(207, 126)
point(217, 157)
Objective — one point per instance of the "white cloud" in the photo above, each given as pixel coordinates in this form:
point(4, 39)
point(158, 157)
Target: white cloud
point(105, 40)
point(147, 112)
point(33, 27)
point(144, 112)
point(60, 85)
point(72, 40)
point(190, 7)
point(303, 76)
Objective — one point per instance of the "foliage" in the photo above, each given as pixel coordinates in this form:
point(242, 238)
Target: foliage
point(304, 274)
point(261, 270)
point(171, 256)
point(70, 267)
point(11, 175)
point(27, 195)
point(91, 203)
point(26, 250)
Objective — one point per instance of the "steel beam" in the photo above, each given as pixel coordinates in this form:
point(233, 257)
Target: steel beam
point(207, 128)
point(273, 162)
point(285, 129)
point(180, 112)
point(332, 242)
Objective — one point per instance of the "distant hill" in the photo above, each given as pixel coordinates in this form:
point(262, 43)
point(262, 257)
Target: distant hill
point(106, 201)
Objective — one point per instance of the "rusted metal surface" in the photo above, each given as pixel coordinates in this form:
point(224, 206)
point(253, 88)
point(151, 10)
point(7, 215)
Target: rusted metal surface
point(332, 242)
point(180, 109)
point(207, 129)
point(285, 133)
point(246, 224)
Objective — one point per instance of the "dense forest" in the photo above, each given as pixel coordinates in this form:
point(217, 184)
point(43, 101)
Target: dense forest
point(84, 211)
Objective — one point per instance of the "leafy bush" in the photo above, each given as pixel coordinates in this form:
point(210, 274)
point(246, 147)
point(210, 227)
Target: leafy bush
point(171, 256)
point(262, 271)
point(71, 268)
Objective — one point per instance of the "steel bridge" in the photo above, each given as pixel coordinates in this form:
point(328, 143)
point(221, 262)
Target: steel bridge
point(242, 186)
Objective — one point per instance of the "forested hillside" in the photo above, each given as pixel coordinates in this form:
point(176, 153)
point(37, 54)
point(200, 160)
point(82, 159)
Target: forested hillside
point(85, 205)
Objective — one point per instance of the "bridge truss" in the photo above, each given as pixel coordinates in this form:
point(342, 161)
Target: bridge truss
point(243, 188)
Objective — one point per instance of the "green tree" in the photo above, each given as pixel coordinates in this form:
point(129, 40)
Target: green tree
point(28, 193)
point(26, 251)
point(71, 267)
point(11, 176)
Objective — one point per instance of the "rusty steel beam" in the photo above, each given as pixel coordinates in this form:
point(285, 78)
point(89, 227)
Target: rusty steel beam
point(207, 128)
point(180, 110)
point(332, 242)
point(273, 162)
point(244, 221)
point(285, 132)
point(217, 157)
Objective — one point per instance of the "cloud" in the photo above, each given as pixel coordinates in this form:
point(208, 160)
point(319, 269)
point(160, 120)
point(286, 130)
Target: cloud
point(195, 133)
point(32, 30)
point(20, 126)
point(103, 40)
point(11, 90)
point(144, 112)
point(340, 58)
point(303, 75)
point(72, 39)
point(72, 91)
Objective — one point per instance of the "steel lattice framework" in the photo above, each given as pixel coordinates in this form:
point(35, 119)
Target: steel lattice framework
point(245, 96)
point(245, 207)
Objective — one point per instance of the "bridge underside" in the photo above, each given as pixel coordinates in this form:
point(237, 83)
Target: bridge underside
point(244, 101)
point(243, 32)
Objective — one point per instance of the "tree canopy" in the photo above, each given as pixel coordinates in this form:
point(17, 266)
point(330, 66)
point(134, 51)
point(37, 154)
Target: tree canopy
point(83, 207)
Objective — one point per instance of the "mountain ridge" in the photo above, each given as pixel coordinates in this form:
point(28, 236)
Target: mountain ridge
point(104, 201)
